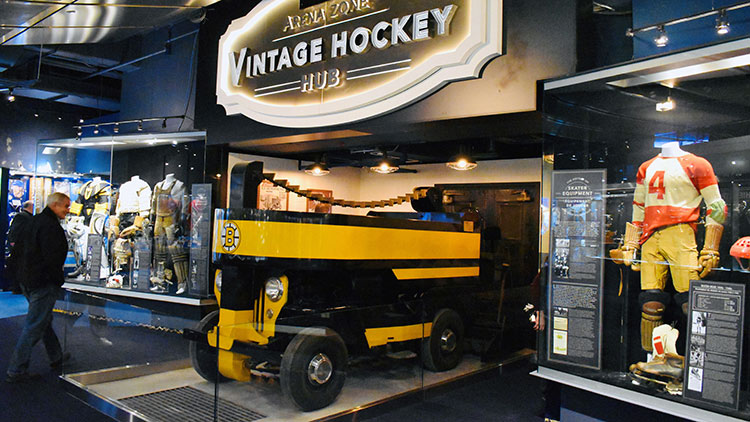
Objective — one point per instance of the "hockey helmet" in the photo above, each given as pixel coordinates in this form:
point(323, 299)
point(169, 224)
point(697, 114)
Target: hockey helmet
point(741, 250)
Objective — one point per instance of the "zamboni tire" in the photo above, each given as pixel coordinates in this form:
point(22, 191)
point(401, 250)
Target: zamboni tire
point(445, 346)
point(204, 356)
point(313, 368)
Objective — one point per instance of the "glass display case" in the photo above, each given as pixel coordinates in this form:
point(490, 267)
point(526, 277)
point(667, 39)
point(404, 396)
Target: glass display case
point(646, 261)
point(316, 320)
point(140, 212)
point(134, 364)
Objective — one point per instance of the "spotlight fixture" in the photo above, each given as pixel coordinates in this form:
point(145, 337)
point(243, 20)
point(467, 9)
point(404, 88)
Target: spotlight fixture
point(79, 133)
point(662, 39)
point(11, 97)
point(385, 167)
point(96, 130)
point(462, 162)
point(665, 106)
point(36, 114)
point(116, 124)
point(722, 24)
point(317, 169)
point(80, 120)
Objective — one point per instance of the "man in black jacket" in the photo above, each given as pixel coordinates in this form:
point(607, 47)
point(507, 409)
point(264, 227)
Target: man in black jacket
point(20, 220)
point(44, 250)
point(16, 235)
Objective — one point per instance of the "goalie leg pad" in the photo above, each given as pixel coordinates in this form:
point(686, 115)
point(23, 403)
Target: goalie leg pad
point(160, 249)
point(653, 303)
point(179, 259)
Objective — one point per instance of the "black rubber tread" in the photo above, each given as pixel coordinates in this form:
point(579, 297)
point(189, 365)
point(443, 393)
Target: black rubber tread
point(433, 357)
point(203, 356)
point(294, 363)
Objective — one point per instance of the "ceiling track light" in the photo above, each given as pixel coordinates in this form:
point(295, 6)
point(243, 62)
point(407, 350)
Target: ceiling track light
point(11, 97)
point(666, 105)
point(722, 23)
point(116, 125)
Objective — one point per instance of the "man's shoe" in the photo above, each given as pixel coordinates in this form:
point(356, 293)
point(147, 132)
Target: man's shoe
point(22, 377)
point(60, 362)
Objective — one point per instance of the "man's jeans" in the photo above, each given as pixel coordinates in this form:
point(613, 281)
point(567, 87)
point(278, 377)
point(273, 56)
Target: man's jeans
point(38, 326)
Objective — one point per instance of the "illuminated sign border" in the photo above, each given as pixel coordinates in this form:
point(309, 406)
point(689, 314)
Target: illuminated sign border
point(465, 62)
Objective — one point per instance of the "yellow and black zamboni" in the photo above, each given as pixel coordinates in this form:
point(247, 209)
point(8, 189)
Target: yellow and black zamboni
point(299, 293)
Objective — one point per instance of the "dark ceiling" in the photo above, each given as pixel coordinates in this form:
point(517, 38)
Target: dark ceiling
point(74, 53)
point(716, 106)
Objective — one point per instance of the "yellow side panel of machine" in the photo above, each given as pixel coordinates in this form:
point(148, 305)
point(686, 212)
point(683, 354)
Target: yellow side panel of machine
point(384, 335)
point(320, 241)
point(232, 365)
point(438, 272)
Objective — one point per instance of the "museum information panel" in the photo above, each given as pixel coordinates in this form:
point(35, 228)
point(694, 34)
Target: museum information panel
point(575, 267)
point(712, 372)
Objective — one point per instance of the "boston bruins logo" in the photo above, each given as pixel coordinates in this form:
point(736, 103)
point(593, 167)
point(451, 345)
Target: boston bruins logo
point(230, 237)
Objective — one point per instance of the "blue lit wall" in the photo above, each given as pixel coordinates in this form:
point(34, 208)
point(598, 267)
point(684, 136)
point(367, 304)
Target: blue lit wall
point(684, 35)
point(92, 161)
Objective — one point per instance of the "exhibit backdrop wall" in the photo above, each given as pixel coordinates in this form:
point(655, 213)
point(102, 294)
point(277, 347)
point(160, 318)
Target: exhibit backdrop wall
point(20, 129)
point(163, 85)
point(360, 184)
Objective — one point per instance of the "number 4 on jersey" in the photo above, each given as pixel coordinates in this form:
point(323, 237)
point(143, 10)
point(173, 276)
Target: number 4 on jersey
point(656, 184)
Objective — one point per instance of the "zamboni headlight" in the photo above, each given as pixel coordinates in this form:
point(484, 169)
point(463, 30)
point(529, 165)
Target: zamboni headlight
point(217, 280)
point(274, 288)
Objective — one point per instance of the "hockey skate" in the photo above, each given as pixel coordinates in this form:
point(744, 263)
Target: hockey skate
point(664, 370)
point(161, 281)
point(158, 285)
point(181, 288)
point(115, 281)
point(78, 272)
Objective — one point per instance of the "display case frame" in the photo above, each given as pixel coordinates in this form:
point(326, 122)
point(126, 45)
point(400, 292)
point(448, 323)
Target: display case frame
point(605, 120)
point(131, 213)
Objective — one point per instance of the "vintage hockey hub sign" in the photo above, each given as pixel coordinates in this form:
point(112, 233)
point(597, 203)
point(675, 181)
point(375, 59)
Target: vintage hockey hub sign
point(342, 61)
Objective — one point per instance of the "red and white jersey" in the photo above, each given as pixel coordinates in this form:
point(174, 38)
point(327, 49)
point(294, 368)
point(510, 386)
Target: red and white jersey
point(669, 191)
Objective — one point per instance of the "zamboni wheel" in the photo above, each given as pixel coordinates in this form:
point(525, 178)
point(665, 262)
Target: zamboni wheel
point(445, 346)
point(204, 356)
point(313, 368)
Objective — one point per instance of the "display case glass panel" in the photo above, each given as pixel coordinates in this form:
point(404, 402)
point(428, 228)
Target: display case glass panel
point(646, 257)
point(140, 210)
